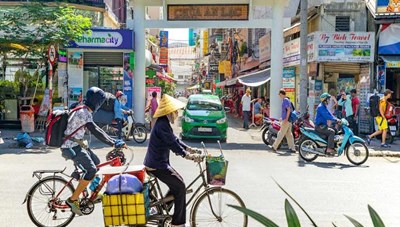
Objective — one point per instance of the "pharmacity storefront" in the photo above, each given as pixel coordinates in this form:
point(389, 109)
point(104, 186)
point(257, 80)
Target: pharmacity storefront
point(105, 59)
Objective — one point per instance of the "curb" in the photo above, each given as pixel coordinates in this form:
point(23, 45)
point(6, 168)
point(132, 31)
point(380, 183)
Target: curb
point(384, 154)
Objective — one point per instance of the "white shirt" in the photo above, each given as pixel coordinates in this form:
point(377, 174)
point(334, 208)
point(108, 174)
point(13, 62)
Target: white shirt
point(246, 101)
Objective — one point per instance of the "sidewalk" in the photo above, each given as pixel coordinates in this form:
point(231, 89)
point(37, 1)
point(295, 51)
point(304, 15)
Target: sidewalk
point(374, 149)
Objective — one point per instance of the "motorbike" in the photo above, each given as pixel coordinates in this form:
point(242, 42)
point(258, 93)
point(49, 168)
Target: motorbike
point(271, 127)
point(312, 145)
point(129, 128)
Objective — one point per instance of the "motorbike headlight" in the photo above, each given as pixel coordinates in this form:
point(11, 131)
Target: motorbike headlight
point(222, 120)
point(188, 119)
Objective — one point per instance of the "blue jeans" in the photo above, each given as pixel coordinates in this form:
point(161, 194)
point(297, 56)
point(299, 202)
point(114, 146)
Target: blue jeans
point(119, 125)
point(246, 116)
point(85, 160)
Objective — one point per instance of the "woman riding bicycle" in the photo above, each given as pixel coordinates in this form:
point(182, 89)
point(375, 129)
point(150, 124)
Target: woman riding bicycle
point(74, 148)
point(162, 140)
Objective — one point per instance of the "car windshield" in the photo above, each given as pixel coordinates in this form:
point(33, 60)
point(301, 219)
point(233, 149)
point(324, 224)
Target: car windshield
point(210, 105)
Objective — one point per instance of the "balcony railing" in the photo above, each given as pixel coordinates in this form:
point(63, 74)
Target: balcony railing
point(95, 3)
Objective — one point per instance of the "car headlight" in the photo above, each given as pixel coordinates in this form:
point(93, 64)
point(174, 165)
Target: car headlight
point(221, 121)
point(188, 119)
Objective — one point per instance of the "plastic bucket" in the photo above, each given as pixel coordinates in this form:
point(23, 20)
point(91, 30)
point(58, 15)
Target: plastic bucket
point(27, 116)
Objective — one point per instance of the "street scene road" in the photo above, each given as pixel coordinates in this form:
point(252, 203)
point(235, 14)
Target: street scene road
point(328, 188)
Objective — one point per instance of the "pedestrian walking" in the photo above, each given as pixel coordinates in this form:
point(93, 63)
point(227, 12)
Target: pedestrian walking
point(286, 126)
point(152, 107)
point(355, 104)
point(246, 102)
point(381, 120)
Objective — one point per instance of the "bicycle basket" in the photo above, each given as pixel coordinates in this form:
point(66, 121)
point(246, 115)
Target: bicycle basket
point(216, 167)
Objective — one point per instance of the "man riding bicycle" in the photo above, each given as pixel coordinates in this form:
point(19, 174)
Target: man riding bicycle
point(162, 141)
point(75, 149)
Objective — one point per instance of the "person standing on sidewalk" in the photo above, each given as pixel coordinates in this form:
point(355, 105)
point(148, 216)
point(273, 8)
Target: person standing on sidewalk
point(381, 120)
point(286, 126)
point(347, 109)
point(355, 104)
point(246, 102)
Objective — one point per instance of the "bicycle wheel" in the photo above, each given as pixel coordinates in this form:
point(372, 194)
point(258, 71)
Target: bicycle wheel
point(211, 209)
point(139, 133)
point(41, 202)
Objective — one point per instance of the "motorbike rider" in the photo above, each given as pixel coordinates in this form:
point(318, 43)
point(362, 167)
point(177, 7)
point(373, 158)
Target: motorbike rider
point(323, 122)
point(162, 141)
point(119, 111)
point(75, 148)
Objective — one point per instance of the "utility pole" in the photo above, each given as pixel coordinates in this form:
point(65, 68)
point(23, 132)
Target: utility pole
point(303, 56)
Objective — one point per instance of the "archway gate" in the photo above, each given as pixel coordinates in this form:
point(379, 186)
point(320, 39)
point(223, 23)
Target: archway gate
point(175, 17)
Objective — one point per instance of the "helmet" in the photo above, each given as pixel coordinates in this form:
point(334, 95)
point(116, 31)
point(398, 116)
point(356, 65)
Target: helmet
point(95, 97)
point(325, 96)
point(119, 94)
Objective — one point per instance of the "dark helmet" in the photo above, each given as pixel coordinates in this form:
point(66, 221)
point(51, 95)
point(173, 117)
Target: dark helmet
point(95, 97)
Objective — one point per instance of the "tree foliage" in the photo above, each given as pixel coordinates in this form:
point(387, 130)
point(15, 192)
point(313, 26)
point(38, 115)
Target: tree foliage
point(28, 29)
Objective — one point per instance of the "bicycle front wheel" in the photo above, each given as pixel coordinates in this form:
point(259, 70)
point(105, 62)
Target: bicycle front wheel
point(211, 209)
point(46, 202)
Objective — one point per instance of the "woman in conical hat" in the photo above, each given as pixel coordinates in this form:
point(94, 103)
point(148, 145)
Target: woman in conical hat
point(162, 141)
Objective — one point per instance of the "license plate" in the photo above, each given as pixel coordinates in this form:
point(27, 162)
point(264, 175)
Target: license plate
point(205, 129)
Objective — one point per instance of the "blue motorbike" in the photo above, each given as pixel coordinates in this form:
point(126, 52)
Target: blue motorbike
point(312, 145)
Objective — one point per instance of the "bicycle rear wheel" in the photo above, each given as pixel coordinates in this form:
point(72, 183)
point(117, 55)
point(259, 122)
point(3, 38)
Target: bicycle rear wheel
point(41, 203)
point(139, 133)
point(211, 209)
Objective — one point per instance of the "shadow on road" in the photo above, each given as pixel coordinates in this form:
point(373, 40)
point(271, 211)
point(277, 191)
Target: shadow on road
point(329, 165)
point(22, 151)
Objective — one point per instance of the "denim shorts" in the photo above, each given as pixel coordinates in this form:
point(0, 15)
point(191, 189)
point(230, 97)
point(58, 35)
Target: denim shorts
point(85, 160)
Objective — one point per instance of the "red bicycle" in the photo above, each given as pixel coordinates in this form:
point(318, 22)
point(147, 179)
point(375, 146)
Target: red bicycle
point(46, 198)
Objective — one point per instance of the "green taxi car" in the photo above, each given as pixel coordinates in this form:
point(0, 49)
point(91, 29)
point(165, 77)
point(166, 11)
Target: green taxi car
point(204, 117)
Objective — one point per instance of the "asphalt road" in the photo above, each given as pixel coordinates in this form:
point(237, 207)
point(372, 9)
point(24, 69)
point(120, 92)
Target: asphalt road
point(326, 188)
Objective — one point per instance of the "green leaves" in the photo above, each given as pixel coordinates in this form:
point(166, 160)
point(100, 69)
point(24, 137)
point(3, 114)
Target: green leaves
point(258, 217)
point(291, 216)
point(293, 220)
point(375, 217)
point(37, 25)
point(354, 222)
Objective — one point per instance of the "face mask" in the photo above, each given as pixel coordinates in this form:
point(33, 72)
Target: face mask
point(172, 116)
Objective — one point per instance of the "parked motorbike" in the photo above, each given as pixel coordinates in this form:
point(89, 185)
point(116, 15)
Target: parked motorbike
point(271, 127)
point(130, 128)
point(313, 145)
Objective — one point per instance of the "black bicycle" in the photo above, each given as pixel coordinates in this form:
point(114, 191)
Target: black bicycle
point(209, 202)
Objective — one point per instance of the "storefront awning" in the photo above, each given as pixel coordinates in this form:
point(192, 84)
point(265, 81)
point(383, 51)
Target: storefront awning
point(221, 84)
point(391, 61)
point(255, 79)
point(165, 77)
point(193, 87)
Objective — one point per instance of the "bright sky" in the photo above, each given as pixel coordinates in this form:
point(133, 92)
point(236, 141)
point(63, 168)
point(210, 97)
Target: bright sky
point(178, 35)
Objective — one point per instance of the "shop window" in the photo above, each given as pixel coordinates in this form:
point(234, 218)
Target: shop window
point(342, 24)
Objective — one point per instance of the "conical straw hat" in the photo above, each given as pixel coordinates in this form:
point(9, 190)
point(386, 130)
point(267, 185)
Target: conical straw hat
point(168, 105)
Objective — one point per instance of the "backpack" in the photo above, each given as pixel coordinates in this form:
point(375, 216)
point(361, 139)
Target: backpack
point(57, 125)
point(374, 106)
point(293, 114)
point(389, 112)
point(108, 104)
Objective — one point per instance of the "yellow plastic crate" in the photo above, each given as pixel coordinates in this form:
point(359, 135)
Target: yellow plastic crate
point(124, 209)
